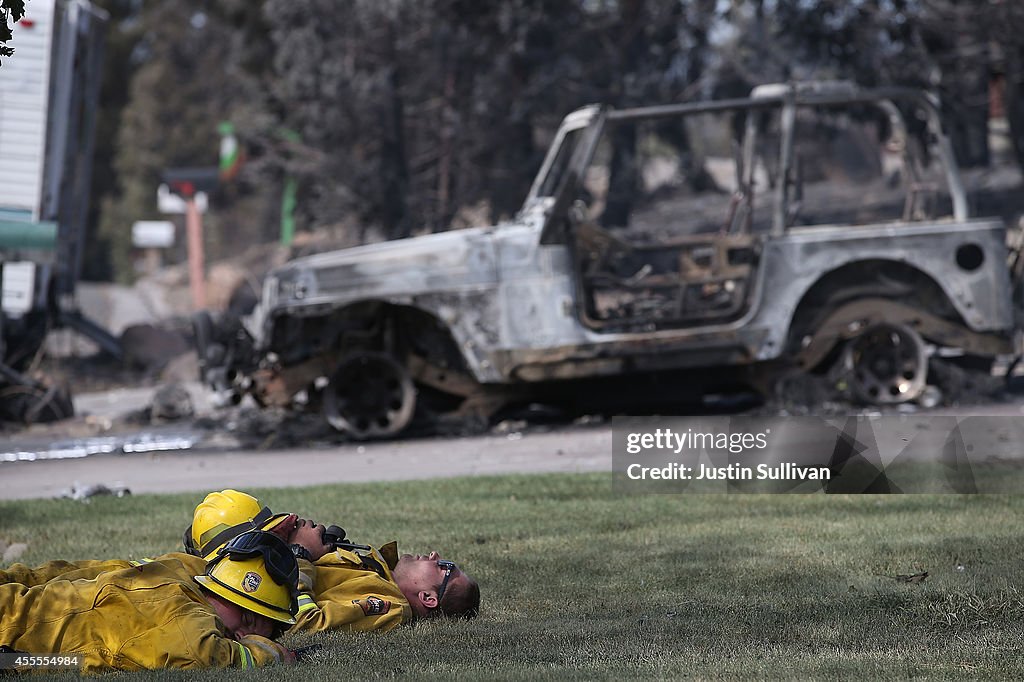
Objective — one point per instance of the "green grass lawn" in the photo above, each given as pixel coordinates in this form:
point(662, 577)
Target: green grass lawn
point(580, 582)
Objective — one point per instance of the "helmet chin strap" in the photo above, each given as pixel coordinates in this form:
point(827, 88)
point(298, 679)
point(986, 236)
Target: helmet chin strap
point(186, 540)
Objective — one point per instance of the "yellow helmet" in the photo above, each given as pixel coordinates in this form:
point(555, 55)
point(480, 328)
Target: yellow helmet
point(256, 571)
point(223, 515)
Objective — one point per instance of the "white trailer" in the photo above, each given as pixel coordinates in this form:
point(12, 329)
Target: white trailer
point(48, 99)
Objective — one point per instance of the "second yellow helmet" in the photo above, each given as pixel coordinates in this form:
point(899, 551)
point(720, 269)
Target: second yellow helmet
point(222, 516)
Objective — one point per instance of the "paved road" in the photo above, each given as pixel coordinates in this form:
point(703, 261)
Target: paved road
point(565, 449)
point(569, 450)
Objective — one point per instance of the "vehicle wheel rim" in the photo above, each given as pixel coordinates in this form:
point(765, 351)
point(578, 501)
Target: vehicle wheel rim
point(369, 395)
point(887, 364)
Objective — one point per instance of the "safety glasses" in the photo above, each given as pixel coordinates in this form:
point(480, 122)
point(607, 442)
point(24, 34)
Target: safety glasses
point(277, 556)
point(449, 567)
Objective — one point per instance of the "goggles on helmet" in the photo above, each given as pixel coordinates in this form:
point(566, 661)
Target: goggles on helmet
point(257, 572)
point(277, 556)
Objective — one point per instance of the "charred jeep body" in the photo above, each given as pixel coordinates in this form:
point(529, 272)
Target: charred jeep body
point(805, 227)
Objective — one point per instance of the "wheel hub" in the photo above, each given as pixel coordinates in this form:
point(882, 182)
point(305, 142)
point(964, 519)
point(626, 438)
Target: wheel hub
point(887, 364)
point(369, 395)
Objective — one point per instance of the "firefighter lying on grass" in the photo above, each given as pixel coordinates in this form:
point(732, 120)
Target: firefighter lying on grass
point(343, 586)
point(161, 614)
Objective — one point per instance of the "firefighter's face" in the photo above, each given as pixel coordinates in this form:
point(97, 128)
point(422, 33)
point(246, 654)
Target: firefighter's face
point(310, 535)
point(241, 623)
point(420, 578)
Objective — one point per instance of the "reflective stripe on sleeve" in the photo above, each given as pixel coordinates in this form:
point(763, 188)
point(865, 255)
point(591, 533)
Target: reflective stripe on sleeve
point(246, 656)
point(305, 603)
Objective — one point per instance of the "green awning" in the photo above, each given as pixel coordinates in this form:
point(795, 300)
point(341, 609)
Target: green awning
point(18, 234)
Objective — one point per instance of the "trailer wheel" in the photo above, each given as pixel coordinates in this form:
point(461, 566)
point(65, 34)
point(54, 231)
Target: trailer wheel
point(369, 395)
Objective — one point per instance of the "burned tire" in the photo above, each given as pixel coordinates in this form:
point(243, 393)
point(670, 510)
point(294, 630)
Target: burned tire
point(369, 395)
point(34, 404)
point(886, 364)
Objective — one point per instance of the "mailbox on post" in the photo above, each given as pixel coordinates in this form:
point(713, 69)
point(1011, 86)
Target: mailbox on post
point(191, 185)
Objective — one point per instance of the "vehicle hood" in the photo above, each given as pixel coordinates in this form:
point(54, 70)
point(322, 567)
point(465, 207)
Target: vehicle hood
point(404, 267)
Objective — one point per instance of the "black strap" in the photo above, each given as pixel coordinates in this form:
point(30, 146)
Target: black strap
point(305, 652)
point(374, 565)
point(190, 546)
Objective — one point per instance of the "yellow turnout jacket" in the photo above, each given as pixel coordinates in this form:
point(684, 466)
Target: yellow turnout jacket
point(133, 618)
point(88, 569)
point(342, 591)
point(354, 593)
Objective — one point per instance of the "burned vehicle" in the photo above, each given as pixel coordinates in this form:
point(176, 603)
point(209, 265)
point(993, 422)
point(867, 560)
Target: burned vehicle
point(806, 227)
